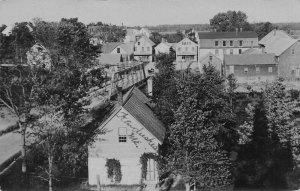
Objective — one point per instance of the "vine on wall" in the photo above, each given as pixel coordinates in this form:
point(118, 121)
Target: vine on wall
point(114, 170)
point(144, 159)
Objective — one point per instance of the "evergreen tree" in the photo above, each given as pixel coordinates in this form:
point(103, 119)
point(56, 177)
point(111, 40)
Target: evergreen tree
point(197, 135)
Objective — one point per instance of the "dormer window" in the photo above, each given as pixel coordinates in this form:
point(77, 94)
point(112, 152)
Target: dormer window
point(122, 134)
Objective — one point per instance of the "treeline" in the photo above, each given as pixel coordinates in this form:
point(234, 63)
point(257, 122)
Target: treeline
point(218, 138)
point(206, 27)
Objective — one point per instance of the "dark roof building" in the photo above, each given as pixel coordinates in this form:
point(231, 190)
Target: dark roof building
point(223, 35)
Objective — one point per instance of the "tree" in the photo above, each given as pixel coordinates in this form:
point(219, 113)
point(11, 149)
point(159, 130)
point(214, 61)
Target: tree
point(17, 86)
point(270, 153)
point(155, 37)
point(23, 40)
point(229, 21)
point(196, 136)
point(65, 127)
point(262, 28)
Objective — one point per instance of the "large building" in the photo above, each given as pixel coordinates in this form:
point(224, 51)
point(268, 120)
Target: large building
point(287, 52)
point(222, 43)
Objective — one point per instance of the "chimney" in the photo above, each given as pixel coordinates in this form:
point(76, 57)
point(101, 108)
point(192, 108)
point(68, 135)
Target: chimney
point(236, 31)
point(119, 96)
point(150, 85)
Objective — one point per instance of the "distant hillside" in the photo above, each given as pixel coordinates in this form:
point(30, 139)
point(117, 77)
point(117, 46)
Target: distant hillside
point(206, 27)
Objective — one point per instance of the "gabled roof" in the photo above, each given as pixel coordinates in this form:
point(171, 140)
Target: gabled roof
point(128, 47)
point(166, 44)
point(109, 47)
point(186, 38)
point(274, 35)
point(207, 55)
point(135, 105)
point(249, 59)
point(253, 51)
point(277, 41)
point(278, 46)
point(222, 35)
point(147, 39)
point(111, 59)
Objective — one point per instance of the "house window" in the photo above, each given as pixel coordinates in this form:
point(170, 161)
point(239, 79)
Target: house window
point(139, 43)
point(143, 49)
point(231, 43)
point(216, 43)
point(224, 42)
point(270, 69)
point(217, 52)
point(148, 48)
point(231, 69)
point(210, 58)
point(231, 51)
point(257, 69)
point(293, 51)
point(179, 49)
point(118, 50)
point(241, 43)
point(122, 134)
point(240, 51)
point(246, 70)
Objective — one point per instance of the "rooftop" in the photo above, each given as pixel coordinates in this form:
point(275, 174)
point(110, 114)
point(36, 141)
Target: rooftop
point(249, 59)
point(135, 104)
point(222, 35)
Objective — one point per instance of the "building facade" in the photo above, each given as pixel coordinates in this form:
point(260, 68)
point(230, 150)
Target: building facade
point(251, 68)
point(186, 50)
point(224, 43)
point(287, 52)
point(131, 130)
point(143, 49)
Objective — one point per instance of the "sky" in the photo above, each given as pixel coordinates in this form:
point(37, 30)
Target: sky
point(146, 12)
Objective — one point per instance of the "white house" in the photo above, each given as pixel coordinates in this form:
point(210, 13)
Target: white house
point(131, 130)
point(186, 50)
point(164, 47)
point(143, 49)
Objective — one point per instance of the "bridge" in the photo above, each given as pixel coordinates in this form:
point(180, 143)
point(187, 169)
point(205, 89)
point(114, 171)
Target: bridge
point(124, 75)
